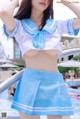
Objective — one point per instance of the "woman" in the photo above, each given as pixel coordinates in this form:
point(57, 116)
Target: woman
point(41, 91)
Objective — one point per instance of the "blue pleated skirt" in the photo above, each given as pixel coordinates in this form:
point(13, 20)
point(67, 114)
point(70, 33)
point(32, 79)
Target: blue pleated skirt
point(42, 93)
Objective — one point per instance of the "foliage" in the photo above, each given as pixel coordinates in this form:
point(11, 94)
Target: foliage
point(77, 57)
point(65, 69)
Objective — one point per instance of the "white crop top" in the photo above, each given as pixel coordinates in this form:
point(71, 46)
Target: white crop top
point(28, 36)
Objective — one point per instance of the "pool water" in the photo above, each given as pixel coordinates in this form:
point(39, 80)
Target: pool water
point(75, 102)
point(5, 106)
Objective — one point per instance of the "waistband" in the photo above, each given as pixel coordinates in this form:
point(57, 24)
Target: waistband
point(39, 74)
point(41, 71)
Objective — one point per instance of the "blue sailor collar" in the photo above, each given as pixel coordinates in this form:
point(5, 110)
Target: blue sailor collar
point(38, 40)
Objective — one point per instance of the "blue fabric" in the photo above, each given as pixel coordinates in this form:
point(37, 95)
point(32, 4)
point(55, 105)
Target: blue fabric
point(42, 93)
point(51, 25)
point(38, 35)
point(70, 28)
point(39, 40)
point(76, 31)
point(28, 36)
point(73, 83)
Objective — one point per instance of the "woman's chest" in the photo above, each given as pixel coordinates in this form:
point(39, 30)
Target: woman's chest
point(42, 39)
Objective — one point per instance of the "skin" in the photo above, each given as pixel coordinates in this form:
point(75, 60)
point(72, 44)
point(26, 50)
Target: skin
point(43, 60)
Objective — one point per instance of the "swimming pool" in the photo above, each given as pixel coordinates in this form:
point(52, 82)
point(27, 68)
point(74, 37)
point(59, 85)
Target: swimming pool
point(5, 103)
point(75, 102)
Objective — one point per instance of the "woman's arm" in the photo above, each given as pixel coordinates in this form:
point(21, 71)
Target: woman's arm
point(75, 7)
point(6, 15)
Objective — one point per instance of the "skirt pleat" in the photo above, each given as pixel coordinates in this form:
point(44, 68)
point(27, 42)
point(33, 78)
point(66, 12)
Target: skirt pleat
point(42, 93)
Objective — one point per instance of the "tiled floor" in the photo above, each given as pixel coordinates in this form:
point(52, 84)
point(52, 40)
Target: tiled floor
point(5, 103)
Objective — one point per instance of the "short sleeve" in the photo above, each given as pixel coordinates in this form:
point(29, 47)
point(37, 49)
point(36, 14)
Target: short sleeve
point(14, 32)
point(66, 27)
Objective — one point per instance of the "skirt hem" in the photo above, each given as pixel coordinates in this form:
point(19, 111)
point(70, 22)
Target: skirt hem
point(40, 113)
point(42, 93)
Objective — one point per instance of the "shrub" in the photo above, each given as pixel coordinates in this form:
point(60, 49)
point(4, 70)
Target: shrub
point(77, 57)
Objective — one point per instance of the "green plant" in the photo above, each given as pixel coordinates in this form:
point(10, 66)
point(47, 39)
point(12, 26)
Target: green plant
point(66, 69)
point(77, 57)
point(20, 64)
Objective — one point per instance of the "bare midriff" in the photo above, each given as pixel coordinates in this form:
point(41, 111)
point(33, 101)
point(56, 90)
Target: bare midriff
point(45, 60)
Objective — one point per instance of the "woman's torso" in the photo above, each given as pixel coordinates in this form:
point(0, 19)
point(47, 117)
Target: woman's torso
point(28, 37)
point(45, 60)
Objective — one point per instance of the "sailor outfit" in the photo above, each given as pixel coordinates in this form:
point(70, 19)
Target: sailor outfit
point(41, 92)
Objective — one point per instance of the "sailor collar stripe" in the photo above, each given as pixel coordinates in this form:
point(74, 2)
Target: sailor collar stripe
point(31, 27)
point(38, 35)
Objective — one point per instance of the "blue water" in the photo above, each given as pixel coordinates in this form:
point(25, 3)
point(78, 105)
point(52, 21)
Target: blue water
point(5, 106)
point(73, 83)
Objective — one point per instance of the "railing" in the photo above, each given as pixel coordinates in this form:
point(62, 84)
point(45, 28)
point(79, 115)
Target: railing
point(68, 49)
point(68, 52)
point(9, 82)
point(71, 47)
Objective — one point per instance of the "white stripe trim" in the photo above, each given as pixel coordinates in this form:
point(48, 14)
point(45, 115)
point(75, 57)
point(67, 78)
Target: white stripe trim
point(53, 23)
point(43, 109)
point(32, 29)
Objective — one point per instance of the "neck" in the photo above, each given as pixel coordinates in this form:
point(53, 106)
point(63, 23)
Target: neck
point(36, 16)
